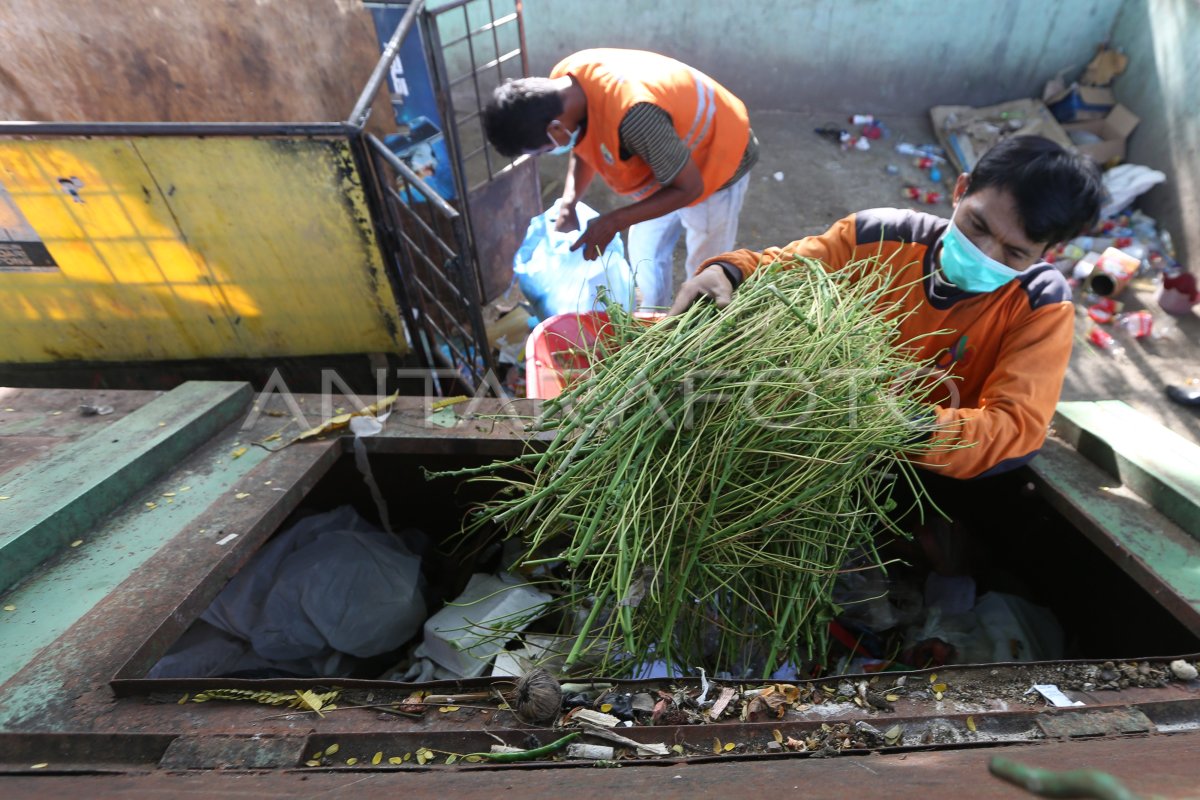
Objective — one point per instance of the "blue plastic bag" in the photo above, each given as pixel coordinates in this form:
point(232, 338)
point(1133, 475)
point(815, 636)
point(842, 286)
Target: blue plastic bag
point(558, 281)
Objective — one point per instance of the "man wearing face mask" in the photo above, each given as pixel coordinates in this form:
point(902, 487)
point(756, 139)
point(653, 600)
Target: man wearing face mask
point(997, 320)
point(667, 136)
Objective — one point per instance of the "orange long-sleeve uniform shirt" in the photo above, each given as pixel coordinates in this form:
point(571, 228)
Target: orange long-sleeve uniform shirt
point(1003, 353)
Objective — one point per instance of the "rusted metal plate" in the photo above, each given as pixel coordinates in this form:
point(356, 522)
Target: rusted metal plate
point(1157, 765)
point(234, 752)
point(500, 211)
point(1109, 722)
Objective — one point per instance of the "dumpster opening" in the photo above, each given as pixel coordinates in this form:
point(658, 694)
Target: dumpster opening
point(1002, 536)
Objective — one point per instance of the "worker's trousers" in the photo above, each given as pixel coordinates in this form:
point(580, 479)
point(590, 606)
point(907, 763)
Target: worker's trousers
point(711, 230)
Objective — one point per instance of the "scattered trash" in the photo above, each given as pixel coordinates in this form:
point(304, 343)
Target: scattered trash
point(1054, 695)
point(1138, 324)
point(1183, 670)
point(778, 176)
point(1105, 341)
point(88, 410)
point(590, 752)
point(462, 638)
point(326, 592)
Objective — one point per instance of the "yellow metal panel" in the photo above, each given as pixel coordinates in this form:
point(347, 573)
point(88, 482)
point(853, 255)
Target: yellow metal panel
point(181, 248)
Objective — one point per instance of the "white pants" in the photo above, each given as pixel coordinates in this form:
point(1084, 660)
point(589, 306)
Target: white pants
point(711, 230)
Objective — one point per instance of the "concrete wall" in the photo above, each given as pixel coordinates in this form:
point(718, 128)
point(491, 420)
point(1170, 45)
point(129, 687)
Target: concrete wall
point(1162, 40)
point(873, 56)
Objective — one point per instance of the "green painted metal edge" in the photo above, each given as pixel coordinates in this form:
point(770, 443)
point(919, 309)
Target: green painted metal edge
point(1162, 557)
point(63, 498)
point(1158, 464)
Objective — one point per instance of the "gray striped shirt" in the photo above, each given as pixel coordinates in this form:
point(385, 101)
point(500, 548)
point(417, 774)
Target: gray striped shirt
point(647, 131)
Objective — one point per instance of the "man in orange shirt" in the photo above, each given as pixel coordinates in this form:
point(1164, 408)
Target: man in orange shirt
point(666, 135)
point(994, 317)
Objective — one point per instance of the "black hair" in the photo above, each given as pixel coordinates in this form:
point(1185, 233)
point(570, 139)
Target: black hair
point(1058, 192)
point(515, 119)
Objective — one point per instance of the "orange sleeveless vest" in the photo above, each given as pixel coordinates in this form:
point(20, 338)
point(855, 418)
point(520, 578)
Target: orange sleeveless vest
point(710, 121)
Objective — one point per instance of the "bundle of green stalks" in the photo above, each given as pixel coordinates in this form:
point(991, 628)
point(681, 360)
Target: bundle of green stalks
point(710, 475)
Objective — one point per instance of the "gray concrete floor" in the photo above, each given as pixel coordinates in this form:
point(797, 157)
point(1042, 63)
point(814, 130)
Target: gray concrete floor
point(822, 183)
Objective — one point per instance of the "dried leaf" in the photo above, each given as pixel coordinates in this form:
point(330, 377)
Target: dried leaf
point(940, 687)
point(168, 494)
point(795, 744)
point(312, 762)
point(151, 505)
point(893, 734)
point(891, 698)
point(445, 709)
point(76, 543)
point(937, 695)
point(10, 607)
point(333, 748)
point(375, 759)
point(239, 452)
point(5, 497)
point(778, 735)
point(242, 495)
point(606, 707)
point(408, 756)
point(971, 724)
point(395, 760)
point(350, 762)
point(729, 747)
point(678, 748)
point(933, 678)
point(449, 401)
point(184, 699)
point(717, 746)
point(450, 759)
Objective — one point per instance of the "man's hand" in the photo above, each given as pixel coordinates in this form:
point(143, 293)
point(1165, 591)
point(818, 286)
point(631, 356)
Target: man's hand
point(599, 233)
point(567, 220)
point(709, 282)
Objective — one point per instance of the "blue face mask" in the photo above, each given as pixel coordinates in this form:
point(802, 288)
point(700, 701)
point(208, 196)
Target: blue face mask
point(968, 267)
point(563, 149)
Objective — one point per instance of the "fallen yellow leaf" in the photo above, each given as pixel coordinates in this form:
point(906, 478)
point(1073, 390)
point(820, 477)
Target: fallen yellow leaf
point(937, 695)
point(778, 735)
point(55, 413)
point(238, 453)
point(450, 759)
point(184, 488)
point(717, 746)
point(407, 756)
point(267, 483)
point(678, 748)
point(473, 759)
point(242, 495)
point(971, 724)
point(449, 401)
point(168, 494)
point(312, 763)
point(729, 746)
point(375, 759)
point(395, 760)
point(606, 707)
point(10, 607)
point(933, 678)
point(350, 762)
point(445, 709)
point(940, 687)
point(4, 497)
point(42, 765)
point(891, 698)
point(151, 505)
point(333, 748)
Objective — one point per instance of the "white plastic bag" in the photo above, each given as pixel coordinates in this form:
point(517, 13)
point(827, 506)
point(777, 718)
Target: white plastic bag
point(1125, 183)
point(558, 281)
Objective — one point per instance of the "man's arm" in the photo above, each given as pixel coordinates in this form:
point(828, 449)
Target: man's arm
point(579, 178)
point(719, 276)
point(1016, 405)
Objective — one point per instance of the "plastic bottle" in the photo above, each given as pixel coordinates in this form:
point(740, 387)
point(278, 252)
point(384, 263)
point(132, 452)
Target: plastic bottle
point(862, 119)
point(1104, 340)
point(1139, 324)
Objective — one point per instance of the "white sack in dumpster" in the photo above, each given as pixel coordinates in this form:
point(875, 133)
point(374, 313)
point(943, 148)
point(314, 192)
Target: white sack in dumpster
point(330, 586)
point(558, 281)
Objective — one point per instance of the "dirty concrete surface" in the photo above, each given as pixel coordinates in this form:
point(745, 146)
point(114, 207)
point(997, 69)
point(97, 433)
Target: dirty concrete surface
point(820, 183)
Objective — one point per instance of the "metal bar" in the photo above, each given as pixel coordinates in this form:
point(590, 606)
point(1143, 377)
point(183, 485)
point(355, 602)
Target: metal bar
point(393, 160)
point(481, 29)
point(362, 108)
point(469, 117)
point(496, 62)
point(445, 248)
point(435, 268)
point(35, 128)
point(377, 202)
point(437, 65)
point(520, 5)
point(487, 161)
